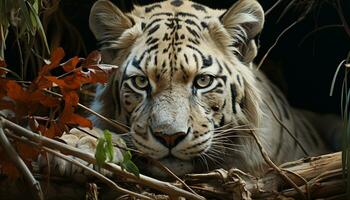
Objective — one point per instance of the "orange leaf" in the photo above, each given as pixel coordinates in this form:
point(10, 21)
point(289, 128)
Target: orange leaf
point(56, 57)
point(47, 101)
point(71, 64)
point(94, 58)
point(79, 120)
point(27, 153)
point(71, 98)
point(53, 131)
point(99, 77)
point(15, 91)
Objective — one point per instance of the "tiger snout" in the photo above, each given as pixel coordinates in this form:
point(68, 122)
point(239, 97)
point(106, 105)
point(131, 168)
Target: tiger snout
point(169, 121)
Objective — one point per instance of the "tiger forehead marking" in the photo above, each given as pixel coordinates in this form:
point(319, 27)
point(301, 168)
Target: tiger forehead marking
point(187, 87)
point(173, 41)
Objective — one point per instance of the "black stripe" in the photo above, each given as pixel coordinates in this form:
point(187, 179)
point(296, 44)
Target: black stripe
point(204, 25)
point(220, 66)
point(154, 29)
point(195, 41)
point(155, 60)
point(150, 8)
point(223, 77)
point(152, 48)
point(196, 61)
point(136, 63)
point(239, 80)
point(193, 32)
point(143, 25)
point(185, 75)
point(186, 59)
point(227, 68)
point(199, 7)
point(184, 14)
point(206, 61)
point(151, 23)
point(166, 37)
point(191, 22)
point(176, 3)
point(233, 97)
point(162, 13)
point(150, 42)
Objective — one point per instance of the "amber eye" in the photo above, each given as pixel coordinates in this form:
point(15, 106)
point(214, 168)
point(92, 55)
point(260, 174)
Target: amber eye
point(203, 81)
point(140, 82)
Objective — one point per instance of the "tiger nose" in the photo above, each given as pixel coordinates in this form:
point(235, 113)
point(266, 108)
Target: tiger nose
point(170, 140)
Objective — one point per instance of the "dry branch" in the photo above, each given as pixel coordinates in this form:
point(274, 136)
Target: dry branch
point(161, 186)
point(314, 177)
point(323, 175)
point(19, 163)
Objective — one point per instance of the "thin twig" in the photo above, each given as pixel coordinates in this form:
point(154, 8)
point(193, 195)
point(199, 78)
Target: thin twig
point(282, 33)
point(287, 129)
point(306, 183)
point(162, 186)
point(20, 55)
point(273, 7)
point(121, 127)
point(75, 162)
point(319, 29)
point(19, 163)
point(275, 43)
point(342, 18)
point(285, 10)
point(154, 161)
point(275, 167)
point(12, 72)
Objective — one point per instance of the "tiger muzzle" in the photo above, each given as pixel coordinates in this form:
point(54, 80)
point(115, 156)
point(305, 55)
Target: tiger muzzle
point(169, 119)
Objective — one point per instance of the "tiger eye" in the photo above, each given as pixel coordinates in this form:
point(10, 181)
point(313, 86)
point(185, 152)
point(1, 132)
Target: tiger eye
point(140, 82)
point(203, 81)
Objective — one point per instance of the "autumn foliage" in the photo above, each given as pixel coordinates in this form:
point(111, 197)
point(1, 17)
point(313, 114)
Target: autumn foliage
point(48, 104)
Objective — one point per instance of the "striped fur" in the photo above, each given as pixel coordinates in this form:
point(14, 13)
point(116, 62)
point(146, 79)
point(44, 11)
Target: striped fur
point(170, 47)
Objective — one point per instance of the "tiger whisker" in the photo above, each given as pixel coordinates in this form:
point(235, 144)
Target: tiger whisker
point(230, 136)
point(204, 161)
point(230, 149)
point(227, 144)
point(230, 124)
point(213, 158)
point(235, 129)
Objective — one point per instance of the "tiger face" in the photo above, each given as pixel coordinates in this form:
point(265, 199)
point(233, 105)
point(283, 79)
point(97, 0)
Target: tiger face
point(185, 73)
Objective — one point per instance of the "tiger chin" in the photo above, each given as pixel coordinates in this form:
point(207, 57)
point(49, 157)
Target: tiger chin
point(188, 89)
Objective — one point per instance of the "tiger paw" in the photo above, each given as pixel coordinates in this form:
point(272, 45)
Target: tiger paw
point(84, 142)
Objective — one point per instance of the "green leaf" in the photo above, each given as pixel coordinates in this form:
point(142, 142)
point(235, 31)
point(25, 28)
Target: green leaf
point(105, 151)
point(39, 27)
point(109, 145)
point(127, 156)
point(25, 16)
point(129, 166)
point(100, 154)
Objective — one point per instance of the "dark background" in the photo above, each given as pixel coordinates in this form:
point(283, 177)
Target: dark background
point(302, 63)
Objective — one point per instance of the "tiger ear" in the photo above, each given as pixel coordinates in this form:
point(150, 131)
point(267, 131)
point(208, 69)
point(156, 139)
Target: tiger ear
point(108, 22)
point(243, 22)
